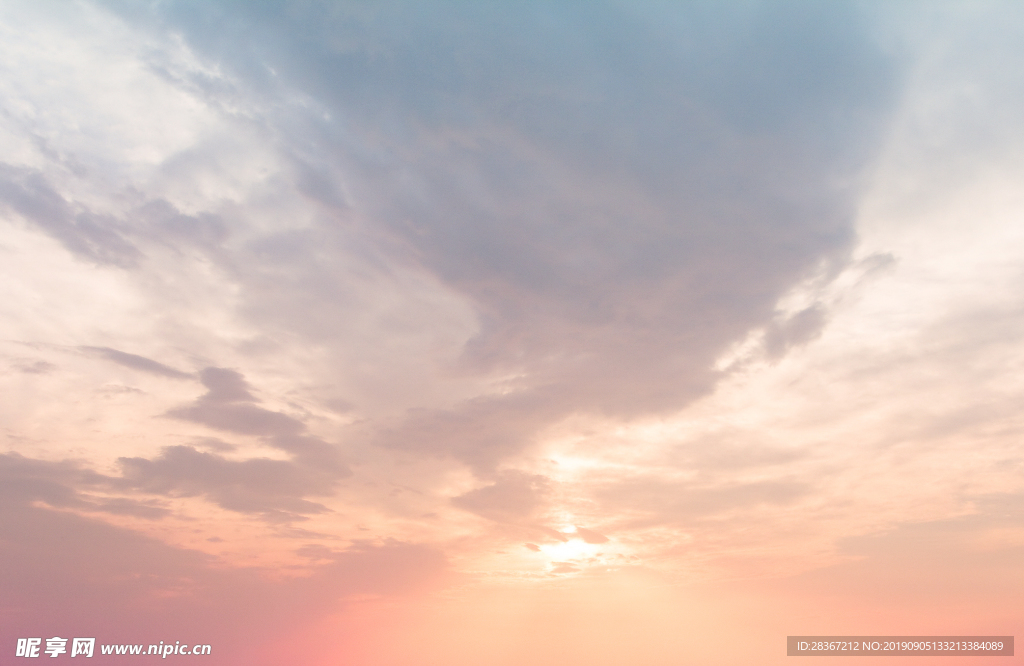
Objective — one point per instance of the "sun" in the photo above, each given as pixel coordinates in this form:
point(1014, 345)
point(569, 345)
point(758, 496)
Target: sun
point(573, 549)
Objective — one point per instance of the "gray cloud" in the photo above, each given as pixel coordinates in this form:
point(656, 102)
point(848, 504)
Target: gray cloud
point(276, 490)
point(622, 190)
point(88, 235)
point(65, 484)
point(272, 488)
point(33, 367)
point(136, 362)
point(215, 444)
point(228, 405)
point(478, 432)
point(513, 496)
point(170, 226)
point(793, 331)
point(122, 506)
point(26, 479)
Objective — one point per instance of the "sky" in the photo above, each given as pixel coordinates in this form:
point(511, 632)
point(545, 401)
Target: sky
point(410, 333)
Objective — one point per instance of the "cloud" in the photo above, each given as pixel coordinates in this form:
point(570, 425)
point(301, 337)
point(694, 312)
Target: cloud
point(618, 191)
point(478, 432)
point(795, 330)
point(137, 362)
point(122, 506)
point(228, 405)
point(33, 367)
point(215, 444)
point(26, 479)
point(170, 225)
point(272, 488)
point(514, 496)
point(276, 490)
point(87, 234)
point(60, 484)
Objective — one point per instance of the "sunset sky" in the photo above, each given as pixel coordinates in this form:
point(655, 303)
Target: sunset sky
point(539, 333)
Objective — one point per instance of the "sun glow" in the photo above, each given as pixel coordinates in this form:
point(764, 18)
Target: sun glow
point(574, 549)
